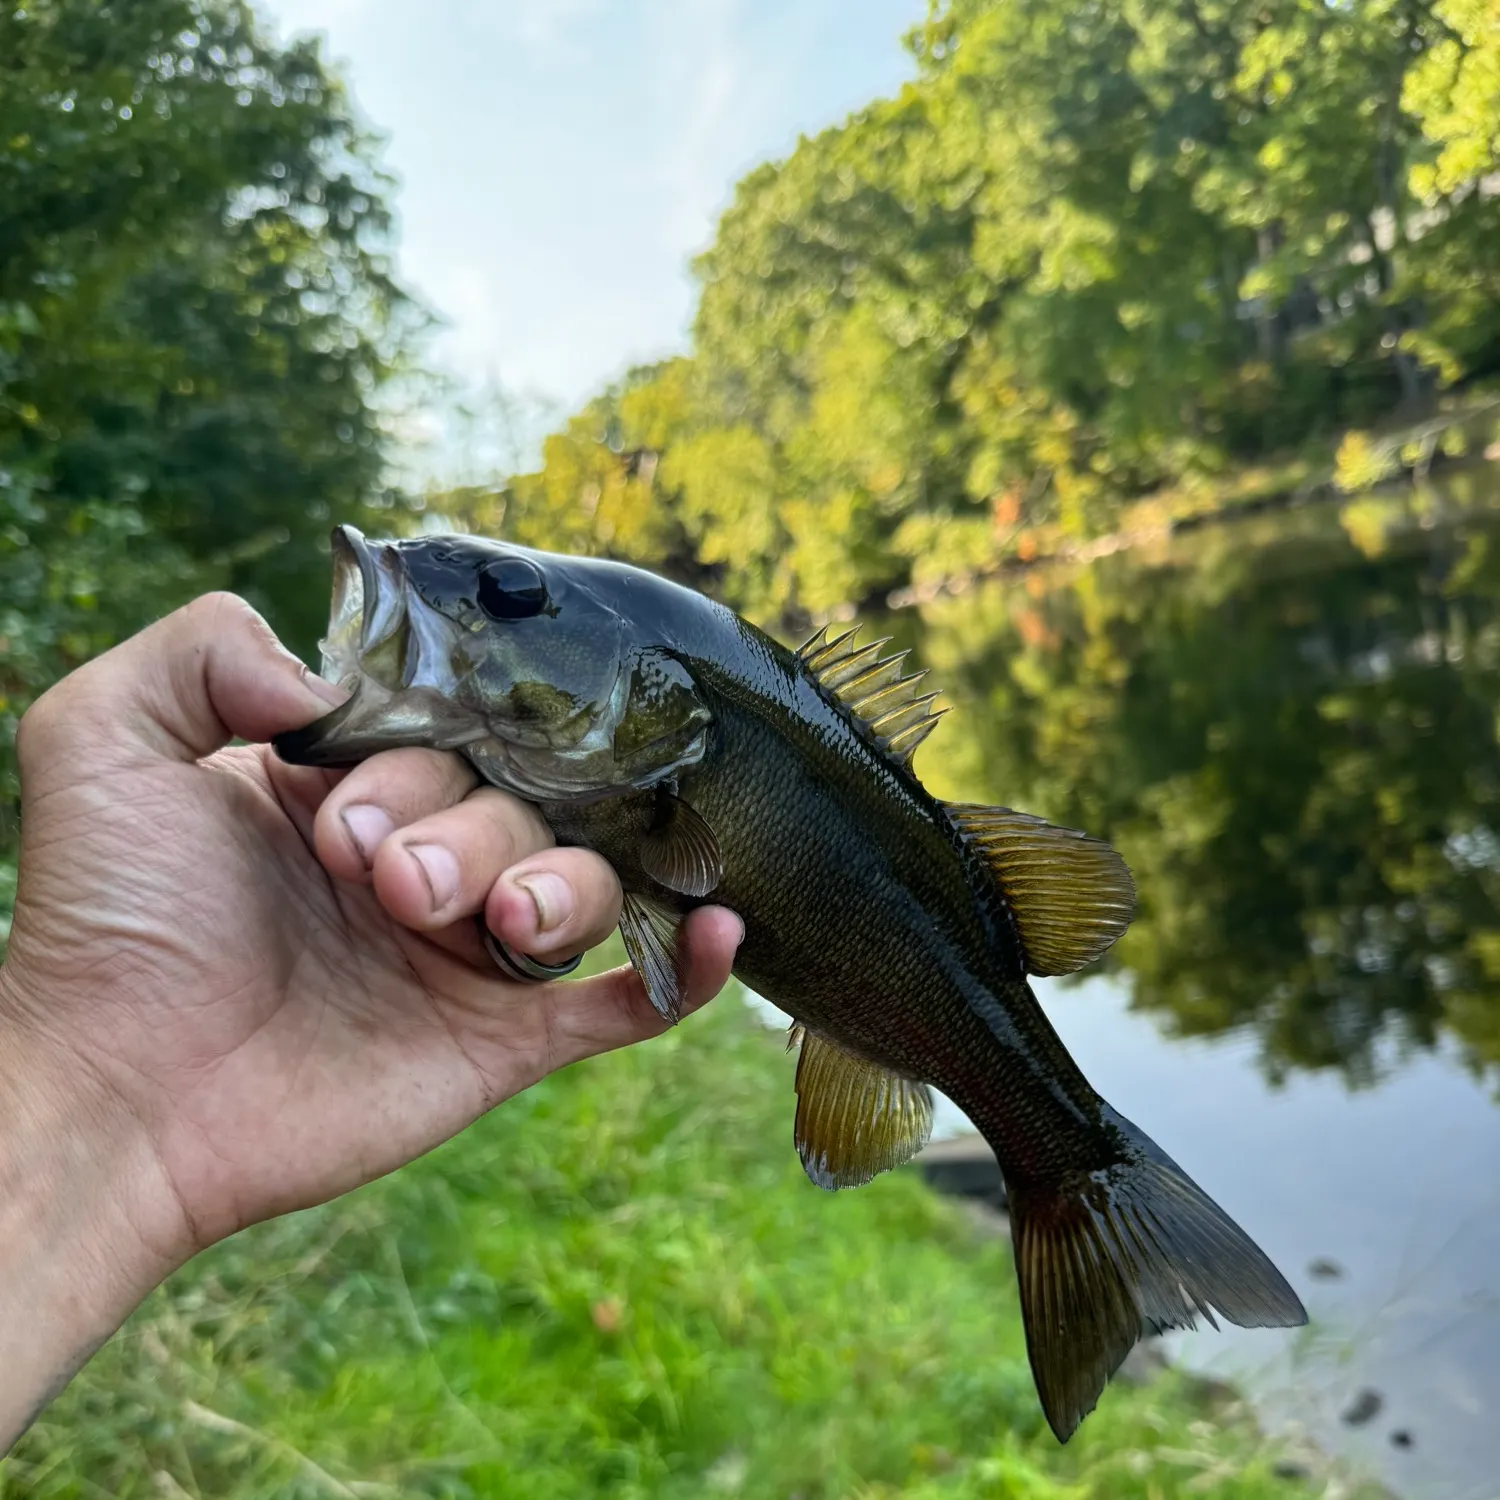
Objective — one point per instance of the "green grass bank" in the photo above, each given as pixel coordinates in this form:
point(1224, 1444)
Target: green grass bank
point(619, 1284)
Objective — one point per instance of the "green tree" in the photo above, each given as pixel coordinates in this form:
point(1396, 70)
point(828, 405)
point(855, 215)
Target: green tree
point(1453, 91)
point(196, 320)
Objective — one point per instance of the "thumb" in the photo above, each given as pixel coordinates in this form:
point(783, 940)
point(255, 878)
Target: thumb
point(180, 689)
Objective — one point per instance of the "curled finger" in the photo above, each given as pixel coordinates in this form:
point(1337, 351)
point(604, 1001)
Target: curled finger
point(554, 904)
point(387, 793)
point(611, 1010)
point(442, 868)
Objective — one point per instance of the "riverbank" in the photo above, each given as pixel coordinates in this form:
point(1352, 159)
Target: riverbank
point(620, 1284)
point(1363, 467)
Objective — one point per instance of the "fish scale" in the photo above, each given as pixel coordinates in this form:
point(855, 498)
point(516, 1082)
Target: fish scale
point(708, 763)
point(923, 937)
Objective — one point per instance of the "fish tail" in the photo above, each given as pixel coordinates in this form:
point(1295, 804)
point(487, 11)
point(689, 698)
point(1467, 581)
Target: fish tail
point(1108, 1256)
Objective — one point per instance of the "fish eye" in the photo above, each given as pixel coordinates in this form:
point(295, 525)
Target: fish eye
point(510, 588)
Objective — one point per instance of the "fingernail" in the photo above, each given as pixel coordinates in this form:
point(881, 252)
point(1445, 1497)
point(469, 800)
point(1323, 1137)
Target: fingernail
point(328, 692)
point(740, 923)
point(552, 896)
point(439, 869)
point(368, 827)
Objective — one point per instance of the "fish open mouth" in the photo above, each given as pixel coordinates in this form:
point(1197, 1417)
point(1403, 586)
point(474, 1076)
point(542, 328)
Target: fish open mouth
point(390, 653)
point(367, 618)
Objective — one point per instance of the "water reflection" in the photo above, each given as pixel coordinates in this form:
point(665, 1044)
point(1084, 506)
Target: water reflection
point(1289, 729)
point(1382, 1206)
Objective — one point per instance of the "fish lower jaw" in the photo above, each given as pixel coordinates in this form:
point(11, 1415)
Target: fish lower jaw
point(378, 718)
point(573, 776)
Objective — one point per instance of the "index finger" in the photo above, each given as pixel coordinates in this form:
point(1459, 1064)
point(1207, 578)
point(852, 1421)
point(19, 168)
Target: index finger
point(180, 689)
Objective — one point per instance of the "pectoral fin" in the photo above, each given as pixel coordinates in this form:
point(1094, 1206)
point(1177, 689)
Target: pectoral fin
point(681, 851)
point(650, 934)
point(854, 1118)
point(1071, 895)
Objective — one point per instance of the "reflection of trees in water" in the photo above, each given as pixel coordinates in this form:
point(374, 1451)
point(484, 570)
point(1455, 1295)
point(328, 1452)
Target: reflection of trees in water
point(1295, 748)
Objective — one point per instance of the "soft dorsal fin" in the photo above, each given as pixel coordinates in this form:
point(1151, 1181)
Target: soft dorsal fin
point(1071, 895)
point(872, 688)
point(854, 1118)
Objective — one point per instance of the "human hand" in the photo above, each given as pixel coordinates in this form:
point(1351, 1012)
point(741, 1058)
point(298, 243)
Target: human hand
point(237, 987)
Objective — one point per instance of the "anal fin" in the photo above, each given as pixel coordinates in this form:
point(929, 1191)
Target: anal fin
point(855, 1119)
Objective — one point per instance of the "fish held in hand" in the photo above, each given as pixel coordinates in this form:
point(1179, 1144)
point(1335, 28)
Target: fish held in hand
point(707, 762)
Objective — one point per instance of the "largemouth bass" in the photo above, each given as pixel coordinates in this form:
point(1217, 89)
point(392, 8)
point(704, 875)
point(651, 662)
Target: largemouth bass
point(707, 762)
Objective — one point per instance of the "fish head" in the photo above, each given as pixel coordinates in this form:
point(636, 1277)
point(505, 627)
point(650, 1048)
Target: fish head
point(533, 665)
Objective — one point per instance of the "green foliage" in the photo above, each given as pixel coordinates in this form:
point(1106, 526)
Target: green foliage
point(195, 319)
point(1089, 251)
point(1455, 92)
point(619, 1284)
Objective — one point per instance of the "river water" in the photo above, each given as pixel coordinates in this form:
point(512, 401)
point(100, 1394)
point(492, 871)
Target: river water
point(1288, 726)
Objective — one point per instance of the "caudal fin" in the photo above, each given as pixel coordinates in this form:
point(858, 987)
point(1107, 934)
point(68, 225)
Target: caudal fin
point(1110, 1256)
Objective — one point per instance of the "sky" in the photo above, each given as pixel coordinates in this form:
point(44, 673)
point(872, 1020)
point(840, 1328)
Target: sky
point(561, 161)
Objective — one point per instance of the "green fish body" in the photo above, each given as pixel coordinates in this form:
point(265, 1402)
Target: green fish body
point(708, 763)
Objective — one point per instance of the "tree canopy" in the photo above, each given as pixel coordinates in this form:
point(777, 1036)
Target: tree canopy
point(1088, 252)
point(1091, 250)
point(196, 320)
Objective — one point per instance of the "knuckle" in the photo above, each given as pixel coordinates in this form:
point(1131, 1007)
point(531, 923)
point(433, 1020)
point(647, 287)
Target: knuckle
point(452, 776)
point(435, 772)
point(220, 608)
point(595, 879)
point(220, 615)
point(408, 782)
point(498, 845)
point(518, 822)
point(35, 728)
point(50, 728)
point(72, 717)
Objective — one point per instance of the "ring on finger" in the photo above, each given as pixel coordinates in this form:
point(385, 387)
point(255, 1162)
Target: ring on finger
point(522, 967)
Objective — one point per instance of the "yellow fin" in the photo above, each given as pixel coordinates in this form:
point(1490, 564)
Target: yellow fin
point(1071, 895)
point(854, 1118)
point(873, 689)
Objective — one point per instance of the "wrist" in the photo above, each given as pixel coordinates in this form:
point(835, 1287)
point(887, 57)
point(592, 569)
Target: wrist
point(87, 1218)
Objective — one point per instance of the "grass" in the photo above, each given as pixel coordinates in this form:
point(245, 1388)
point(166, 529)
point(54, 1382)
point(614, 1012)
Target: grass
point(7, 902)
point(617, 1285)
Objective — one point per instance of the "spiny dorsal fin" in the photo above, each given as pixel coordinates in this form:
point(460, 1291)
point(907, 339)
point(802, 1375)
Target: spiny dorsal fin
point(854, 1118)
point(872, 689)
point(1071, 895)
point(681, 851)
